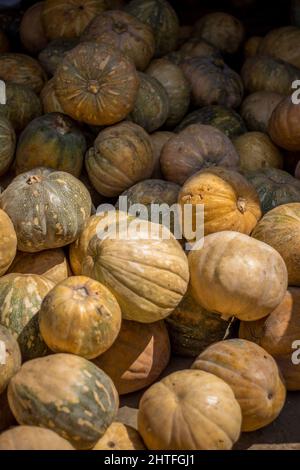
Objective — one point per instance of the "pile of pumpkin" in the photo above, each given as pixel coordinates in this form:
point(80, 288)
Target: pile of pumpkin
point(153, 112)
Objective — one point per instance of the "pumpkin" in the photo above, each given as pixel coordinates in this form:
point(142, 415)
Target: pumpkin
point(8, 242)
point(213, 82)
point(280, 229)
point(189, 410)
point(32, 33)
point(251, 46)
point(21, 296)
point(198, 47)
point(152, 105)
point(162, 18)
point(222, 30)
point(80, 316)
point(196, 147)
point(23, 70)
point(124, 32)
point(176, 85)
point(138, 356)
point(96, 84)
point(274, 187)
point(53, 54)
point(283, 125)
point(66, 393)
point(257, 108)
point(53, 141)
point(234, 274)
point(257, 151)
point(158, 140)
point(4, 44)
point(7, 144)
point(69, 18)
point(264, 73)
point(49, 99)
point(225, 119)
point(192, 328)
point(22, 105)
point(185, 32)
point(282, 43)
point(10, 357)
point(32, 438)
point(253, 376)
point(7, 419)
point(230, 202)
point(68, 208)
point(120, 437)
point(121, 156)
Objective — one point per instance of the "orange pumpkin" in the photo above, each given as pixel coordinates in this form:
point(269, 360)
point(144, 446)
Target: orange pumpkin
point(49, 99)
point(8, 242)
point(32, 32)
point(32, 438)
point(282, 43)
point(284, 127)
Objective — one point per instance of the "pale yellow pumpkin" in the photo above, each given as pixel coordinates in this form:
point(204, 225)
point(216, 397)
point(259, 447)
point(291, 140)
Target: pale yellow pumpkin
point(120, 437)
point(256, 151)
point(8, 242)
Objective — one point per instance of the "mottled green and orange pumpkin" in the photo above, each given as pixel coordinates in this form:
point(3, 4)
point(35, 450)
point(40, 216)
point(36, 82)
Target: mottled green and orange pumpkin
point(119, 436)
point(32, 438)
point(283, 125)
point(7, 144)
point(23, 70)
point(49, 99)
point(158, 140)
point(8, 242)
point(257, 109)
point(32, 32)
point(282, 43)
point(10, 359)
point(257, 151)
point(53, 54)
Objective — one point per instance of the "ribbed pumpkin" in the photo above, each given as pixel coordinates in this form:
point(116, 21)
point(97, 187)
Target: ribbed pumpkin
point(257, 151)
point(7, 419)
point(152, 105)
point(226, 120)
point(189, 410)
point(96, 84)
point(253, 376)
point(176, 85)
point(198, 47)
point(66, 393)
point(11, 361)
point(284, 125)
point(8, 242)
point(213, 82)
point(4, 44)
point(257, 109)
point(79, 248)
point(158, 140)
point(121, 156)
point(230, 201)
point(282, 43)
point(251, 46)
point(68, 208)
point(21, 296)
point(138, 356)
point(280, 229)
point(7, 144)
point(161, 17)
point(52, 55)
point(196, 147)
point(32, 32)
point(120, 437)
point(32, 438)
point(49, 99)
point(53, 141)
point(124, 32)
point(23, 70)
point(234, 274)
point(69, 18)
point(80, 316)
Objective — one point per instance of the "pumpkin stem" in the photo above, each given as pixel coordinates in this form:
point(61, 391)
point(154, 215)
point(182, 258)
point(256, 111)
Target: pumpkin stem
point(241, 204)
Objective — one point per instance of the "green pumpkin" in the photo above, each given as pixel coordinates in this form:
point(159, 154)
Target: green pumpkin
point(67, 394)
point(11, 362)
point(7, 144)
point(54, 53)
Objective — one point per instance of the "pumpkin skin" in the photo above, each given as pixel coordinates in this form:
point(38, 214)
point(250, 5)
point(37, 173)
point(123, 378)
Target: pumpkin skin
point(256, 151)
point(32, 438)
point(4, 44)
point(195, 148)
point(120, 437)
point(253, 376)
point(7, 144)
point(283, 125)
point(69, 18)
point(162, 18)
point(257, 109)
point(52, 55)
point(176, 85)
point(198, 47)
point(189, 410)
point(213, 82)
point(65, 218)
point(23, 70)
point(12, 361)
point(89, 76)
point(260, 276)
point(138, 356)
point(53, 141)
point(49, 99)
point(56, 391)
point(230, 201)
point(251, 46)
point(80, 316)
point(121, 156)
point(32, 33)
point(8, 242)
point(282, 43)
point(158, 140)
point(124, 32)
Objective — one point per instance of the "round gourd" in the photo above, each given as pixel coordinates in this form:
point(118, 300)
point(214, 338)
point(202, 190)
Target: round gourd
point(176, 85)
point(251, 46)
point(124, 32)
point(53, 141)
point(32, 438)
point(68, 208)
point(189, 410)
point(80, 316)
point(158, 140)
point(257, 108)
point(162, 18)
point(11, 361)
point(236, 275)
point(96, 84)
point(23, 70)
point(66, 393)
point(8, 242)
point(7, 144)
point(32, 32)
point(53, 54)
point(230, 201)
point(4, 43)
point(152, 105)
point(138, 356)
point(195, 148)
point(120, 437)
point(257, 151)
point(283, 125)
point(198, 47)
point(280, 229)
point(253, 376)
point(49, 99)
point(282, 43)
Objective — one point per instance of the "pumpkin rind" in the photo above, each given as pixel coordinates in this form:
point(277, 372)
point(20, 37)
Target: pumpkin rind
point(282, 43)
point(283, 125)
point(23, 70)
point(32, 438)
point(49, 99)
point(198, 47)
point(158, 140)
point(120, 437)
point(8, 242)
point(32, 33)
point(251, 46)
point(12, 360)
point(257, 109)
point(257, 151)
point(7, 144)
point(52, 55)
